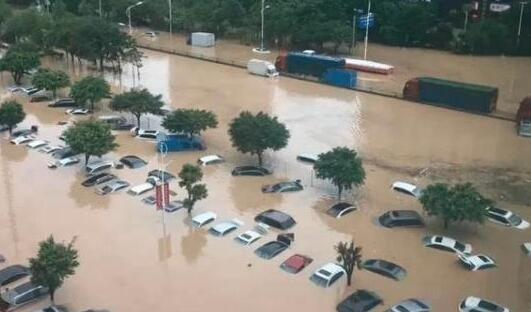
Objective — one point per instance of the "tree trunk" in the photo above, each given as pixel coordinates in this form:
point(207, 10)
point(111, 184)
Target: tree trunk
point(349, 278)
point(339, 191)
point(445, 224)
point(87, 156)
point(137, 120)
point(54, 93)
point(91, 106)
point(101, 63)
point(52, 296)
point(10, 130)
point(260, 160)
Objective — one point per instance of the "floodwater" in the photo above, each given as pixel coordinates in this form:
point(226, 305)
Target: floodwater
point(509, 74)
point(134, 258)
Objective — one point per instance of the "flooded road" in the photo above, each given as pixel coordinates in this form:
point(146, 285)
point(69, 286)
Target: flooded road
point(133, 258)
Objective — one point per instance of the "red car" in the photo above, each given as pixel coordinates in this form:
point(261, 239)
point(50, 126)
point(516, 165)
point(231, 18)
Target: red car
point(295, 263)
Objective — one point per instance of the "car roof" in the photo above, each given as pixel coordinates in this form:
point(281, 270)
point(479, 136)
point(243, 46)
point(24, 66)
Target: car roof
point(118, 182)
point(475, 301)
point(100, 162)
point(252, 234)
point(358, 300)
point(276, 215)
point(209, 158)
point(296, 261)
point(200, 218)
point(142, 187)
point(404, 185)
point(224, 226)
point(479, 259)
point(332, 268)
point(309, 156)
point(12, 270)
point(336, 209)
point(22, 288)
point(413, 304)
point(500, 211)
point(404, 214)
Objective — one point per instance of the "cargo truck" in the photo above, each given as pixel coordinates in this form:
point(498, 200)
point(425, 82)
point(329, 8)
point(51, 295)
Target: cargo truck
point(340, 78)
point(261, 68)
point(453, 94)
point(308, 64)
point(202, 39)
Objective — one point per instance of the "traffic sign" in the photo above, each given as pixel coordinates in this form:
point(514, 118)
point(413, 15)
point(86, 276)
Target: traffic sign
point(366, 21)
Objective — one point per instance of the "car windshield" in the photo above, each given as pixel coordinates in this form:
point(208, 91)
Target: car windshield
point(401, 309)
point(246, 236)
point(106, 189)
point(241, 240)
point(459, 246)
point(488, 306)
point(515, 220)
point(277, 187)
point(318, 280)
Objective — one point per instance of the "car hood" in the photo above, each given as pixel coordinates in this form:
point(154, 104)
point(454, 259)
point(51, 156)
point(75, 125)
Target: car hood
point(523, 225)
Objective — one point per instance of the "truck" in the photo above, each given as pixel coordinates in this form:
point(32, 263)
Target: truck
point(453, 94)
point(261, 68)
point(340, 78)
point(308, 64)
point(523, 118)
point(202, 39)
point(179, 143)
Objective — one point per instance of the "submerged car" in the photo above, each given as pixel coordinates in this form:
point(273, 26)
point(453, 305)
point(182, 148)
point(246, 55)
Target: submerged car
point(161, 175)
point(248, 237)
point(283, 187)
point(407, 188)
point(133, 162)
point(446, 244)
point(308, 158)
point(385, 268)
point(77, 111)
point(256, 171)
point(401, 218)
point(327, 275)
point(475, 304)
point(296, 263)
point(507, 218)
point(112, 187)
point(477, 262)
point(37, 144)
point(410, 305)
point(98, 179)
point(271, 249)
point(65, 162)
point(140, 189)
point(276, 219)
point(224, 228)
point(210, 160)
point(23, 294)
point(340, 209)
point(203, 219)
point(13, 273)
point(360, 301)
point(51, 149)
point(144, 133)
point(23, 139)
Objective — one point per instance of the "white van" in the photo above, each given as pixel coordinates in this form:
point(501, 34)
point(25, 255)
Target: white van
point(99, 166)
point(261, 68)
point(140, 189)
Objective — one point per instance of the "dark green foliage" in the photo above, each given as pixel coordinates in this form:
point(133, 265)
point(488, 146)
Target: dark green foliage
point(190, 175)
point(50, 80)
point(53, 264)
point(11, 114)
point(190, 121)
point(462, 202)
point(485, 37)
point(90, 137)
point(90, 90)
point(342, 166)
point(256, 133)
point(19, 60)
point(5, 11)
point(349, 257)
point(137, 102)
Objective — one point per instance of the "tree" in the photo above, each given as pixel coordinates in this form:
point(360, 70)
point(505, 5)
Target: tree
point(53, 264)
point(18, 60)
point(11, 114)
point(50, 80)
point(137, 102)
point(90, 137)
point(190, 121)
point(455, 204)
point(342, 166)
point(190, 175)
point(90, 89)
point(349, 257)
point(256, 133)
point(5, 11)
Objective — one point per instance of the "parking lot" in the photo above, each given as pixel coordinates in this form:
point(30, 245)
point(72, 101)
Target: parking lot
point(134, 258)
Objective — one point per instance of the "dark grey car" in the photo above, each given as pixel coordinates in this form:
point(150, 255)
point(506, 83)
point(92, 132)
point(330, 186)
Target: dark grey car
point(360, 301)
point(276, 219)
point(271, 249)
point(385, 268)
point(133, 162)
point(23, 294)
point(401, 218)
point(256, 171)
point(13, 273)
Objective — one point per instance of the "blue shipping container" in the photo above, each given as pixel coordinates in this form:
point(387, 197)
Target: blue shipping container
point(178, 143)
point(312, 64)
point(341, 78)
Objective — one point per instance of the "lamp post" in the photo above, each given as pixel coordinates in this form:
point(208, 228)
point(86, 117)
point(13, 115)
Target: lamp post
point(170, 18)
point(522, 4)
point(367, 31)
point(262, 49)
point(128, 13)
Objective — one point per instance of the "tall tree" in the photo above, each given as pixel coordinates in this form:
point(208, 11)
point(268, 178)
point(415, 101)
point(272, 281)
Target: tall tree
point(5, 11)
point(256, 133)
point(342, 166)
point(137, 102)
point(90, 137)
point(19, 60)
point(90, 90)
point(190, 176)
point(51, 80)
point(349, 257)
point(190, 121)
point(11, 114)
point(53, 264)
point(455, 204)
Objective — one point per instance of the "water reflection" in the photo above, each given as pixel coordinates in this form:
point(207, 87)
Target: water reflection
point(192, 244)
point(85, 196)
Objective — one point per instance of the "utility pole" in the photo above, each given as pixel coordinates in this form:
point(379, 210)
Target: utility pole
point(367, 31)
point(522, 4)
point(466, 18)
point(353, 32)
point(128, 13)
point(170, 18)
point(262, 33)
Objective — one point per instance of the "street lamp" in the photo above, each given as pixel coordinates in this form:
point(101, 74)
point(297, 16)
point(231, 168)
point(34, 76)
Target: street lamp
point(170, 17)
point(367, 31)
point(262, 48)
point(522, 4)
point(128, 13)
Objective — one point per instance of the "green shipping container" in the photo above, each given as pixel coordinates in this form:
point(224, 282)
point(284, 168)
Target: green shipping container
point(462, 96)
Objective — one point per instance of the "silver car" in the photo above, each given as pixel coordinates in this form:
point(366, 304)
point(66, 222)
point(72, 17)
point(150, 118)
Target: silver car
point(112, 187)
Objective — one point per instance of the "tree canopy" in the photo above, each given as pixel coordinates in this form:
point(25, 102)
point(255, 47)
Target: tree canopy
point(190, 175)
point(49, 79)
point(256, 133)
point(461, 202)
point(19, 60)
point(90, 90)
point(53, 264)
point(349, 257)
point(137, 102)
point(190, 121)
point(90, 137)
point(342, 166)
point(11, 114)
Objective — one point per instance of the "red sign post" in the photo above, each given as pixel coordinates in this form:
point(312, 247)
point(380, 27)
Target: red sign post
point(158, 196)
point(166, 194)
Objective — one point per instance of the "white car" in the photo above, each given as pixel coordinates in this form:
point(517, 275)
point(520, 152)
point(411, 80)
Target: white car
point(141, 189)
point(327, 275)
point(477, 262)
point(50, 149)
point(37, 143)
point(224, 228)
point(474, 304)
point(65, 162)
point(203, 219)
point(23, 139)
point(144, 134)
point(526, 248)
point(210, 160)
point(77, 111)
point(248, 237)
point(446, 244)
point(507, 218)
point(407, 188)
point(309, 158)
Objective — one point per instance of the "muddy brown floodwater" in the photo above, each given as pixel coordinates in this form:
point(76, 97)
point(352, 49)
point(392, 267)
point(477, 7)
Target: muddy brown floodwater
point(135, 259)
